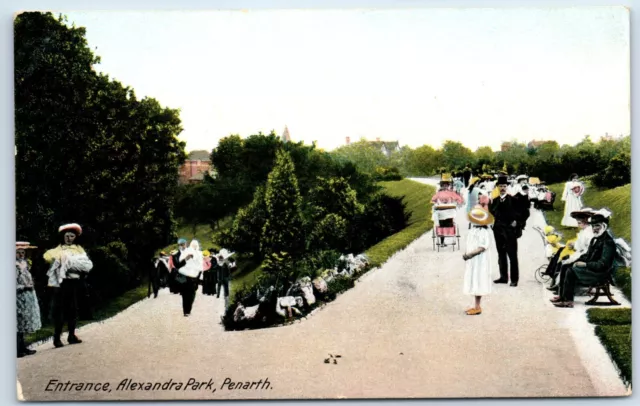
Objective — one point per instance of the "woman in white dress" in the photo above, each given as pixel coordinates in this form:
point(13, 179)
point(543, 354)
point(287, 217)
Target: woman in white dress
point(191, 270)
point(477, 276)
point(572, 196)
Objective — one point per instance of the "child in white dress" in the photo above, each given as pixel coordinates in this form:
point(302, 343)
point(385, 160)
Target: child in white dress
point(477, 276)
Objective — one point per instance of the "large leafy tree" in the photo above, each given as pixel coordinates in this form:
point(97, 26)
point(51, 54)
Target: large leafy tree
point(455, 155)
point(88, 150)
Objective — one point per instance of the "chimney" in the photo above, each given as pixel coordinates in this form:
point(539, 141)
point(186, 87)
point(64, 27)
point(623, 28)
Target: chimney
point(377, 139)
point(348, 139)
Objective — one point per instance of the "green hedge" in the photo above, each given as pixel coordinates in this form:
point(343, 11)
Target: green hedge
point(609, 317)
point(418, 198)
point(617, 342)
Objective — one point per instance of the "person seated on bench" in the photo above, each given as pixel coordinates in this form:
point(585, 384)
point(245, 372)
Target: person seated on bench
point(575, 248)
point(591, 268)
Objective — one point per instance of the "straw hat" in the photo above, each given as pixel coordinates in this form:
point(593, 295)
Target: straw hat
point(71, 227)
point(24, 245)
point(446, 178)
point(480, 217)
point(473, 180)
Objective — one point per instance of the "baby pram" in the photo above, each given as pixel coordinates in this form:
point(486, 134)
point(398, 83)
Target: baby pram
point(452, 232)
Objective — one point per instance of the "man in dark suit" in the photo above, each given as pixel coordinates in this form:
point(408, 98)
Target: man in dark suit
point(505, 210)
point(523, 206)
point(466, 175)
point(592, 267)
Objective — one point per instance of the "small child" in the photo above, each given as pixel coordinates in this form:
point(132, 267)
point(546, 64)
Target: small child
point(477, 276)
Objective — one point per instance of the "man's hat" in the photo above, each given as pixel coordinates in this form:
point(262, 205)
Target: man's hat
point(486, 176)
point(521, 177)
point(71, 227)
point(502, 180)
point(598, 219)
point(480, 217)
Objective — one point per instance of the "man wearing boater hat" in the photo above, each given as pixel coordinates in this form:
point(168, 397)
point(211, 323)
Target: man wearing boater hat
point(592, 267)
point(505, 211)
point(68, 264)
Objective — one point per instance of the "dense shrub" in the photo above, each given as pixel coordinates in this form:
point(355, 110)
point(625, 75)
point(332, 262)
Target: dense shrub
point(383, 216)
point(110, 275)
point(387, 173)
point(617, 172)
point(329, 233)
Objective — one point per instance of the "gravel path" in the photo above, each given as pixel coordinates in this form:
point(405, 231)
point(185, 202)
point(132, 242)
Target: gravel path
point(400, 332)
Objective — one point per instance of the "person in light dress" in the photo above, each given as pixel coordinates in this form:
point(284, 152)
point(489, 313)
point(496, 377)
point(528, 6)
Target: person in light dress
point(477, 276)
point(572, 196)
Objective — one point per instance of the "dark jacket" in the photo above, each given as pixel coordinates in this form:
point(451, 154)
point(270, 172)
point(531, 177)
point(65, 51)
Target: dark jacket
point(504, 212)
point(177, 264)
point(522, 208)
point(602, 251)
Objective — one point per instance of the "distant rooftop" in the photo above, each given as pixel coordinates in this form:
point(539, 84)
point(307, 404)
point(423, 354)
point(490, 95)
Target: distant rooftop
point(199, 155)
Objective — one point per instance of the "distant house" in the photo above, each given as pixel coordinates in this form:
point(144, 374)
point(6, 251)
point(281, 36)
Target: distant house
point(386, 147)
point(197, 164)
point(505, 146)
point(536, 144)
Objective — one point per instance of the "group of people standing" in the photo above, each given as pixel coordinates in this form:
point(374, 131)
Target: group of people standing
point(68, 266)
point(187, 268)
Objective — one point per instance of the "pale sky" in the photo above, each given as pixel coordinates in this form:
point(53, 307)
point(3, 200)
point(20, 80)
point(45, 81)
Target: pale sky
point(420, 76)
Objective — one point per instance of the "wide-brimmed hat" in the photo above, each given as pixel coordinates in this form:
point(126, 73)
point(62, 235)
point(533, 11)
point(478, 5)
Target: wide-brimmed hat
point(521, 177)
point(502, 180)
point(480, 216)
point(473, 180)
point(445, 178)
point(182, 241)
point(534, 181)
point(486, 176)
point(583, 213)
point(24, 245)
point(71, 227)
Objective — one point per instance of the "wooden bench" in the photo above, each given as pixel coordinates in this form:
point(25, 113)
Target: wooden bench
point(602, 289)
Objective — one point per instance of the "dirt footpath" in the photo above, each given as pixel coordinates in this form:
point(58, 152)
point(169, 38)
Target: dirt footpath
point(401, 332)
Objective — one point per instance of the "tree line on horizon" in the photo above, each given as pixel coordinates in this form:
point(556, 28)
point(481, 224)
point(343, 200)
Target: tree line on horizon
point(608, 159)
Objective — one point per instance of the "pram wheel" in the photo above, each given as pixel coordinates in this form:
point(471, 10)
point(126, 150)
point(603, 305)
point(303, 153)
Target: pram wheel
point(540, 274)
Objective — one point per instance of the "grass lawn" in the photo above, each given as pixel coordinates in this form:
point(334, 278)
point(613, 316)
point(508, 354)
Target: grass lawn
point(110, 309)
point(618, 200)
point(418, 199)
point(617, 342)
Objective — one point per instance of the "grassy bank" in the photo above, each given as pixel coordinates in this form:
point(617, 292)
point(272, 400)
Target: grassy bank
point(418, 199)
point(618, 200)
